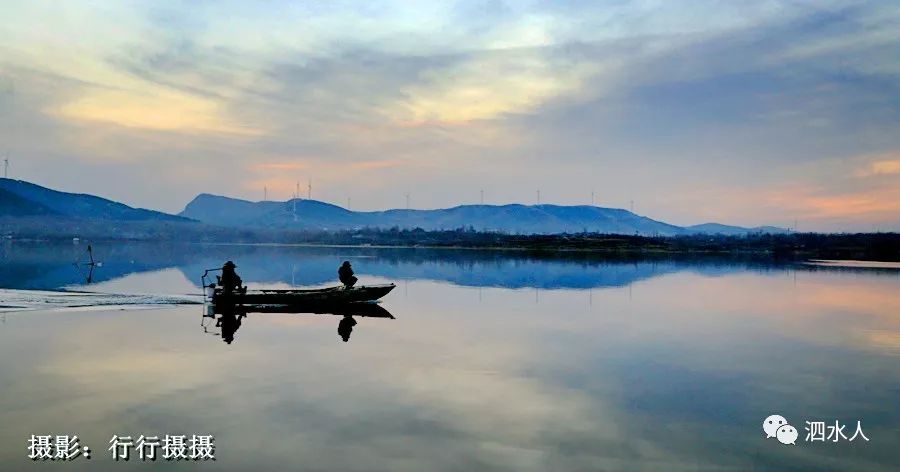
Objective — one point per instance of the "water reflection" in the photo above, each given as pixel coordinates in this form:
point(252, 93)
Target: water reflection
point(86, 265)
point(230, 322)
point(678, 376)
point(345, 327)
point(48, 266)
point(229, 317)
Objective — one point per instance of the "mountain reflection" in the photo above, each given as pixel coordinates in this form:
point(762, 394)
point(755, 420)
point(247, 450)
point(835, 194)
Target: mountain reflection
point(49, 266)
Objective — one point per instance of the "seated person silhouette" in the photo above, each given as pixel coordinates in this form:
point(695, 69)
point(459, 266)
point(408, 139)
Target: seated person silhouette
point(229, 279)
point(345, 327)
point(345, 274)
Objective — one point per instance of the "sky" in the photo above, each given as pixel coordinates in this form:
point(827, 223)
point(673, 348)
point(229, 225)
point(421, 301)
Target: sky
point(741, 112)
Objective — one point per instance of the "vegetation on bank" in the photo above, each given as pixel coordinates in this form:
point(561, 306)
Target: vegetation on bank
point(864, 246)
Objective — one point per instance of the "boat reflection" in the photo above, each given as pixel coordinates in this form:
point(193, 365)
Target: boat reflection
point(228, 317)
point(230, 321)
point(345, 327)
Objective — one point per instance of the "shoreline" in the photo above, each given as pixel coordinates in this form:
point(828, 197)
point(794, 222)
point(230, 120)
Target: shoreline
point(768, 246)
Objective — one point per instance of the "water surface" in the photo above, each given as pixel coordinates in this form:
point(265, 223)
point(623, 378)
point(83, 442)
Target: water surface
point(495, 361)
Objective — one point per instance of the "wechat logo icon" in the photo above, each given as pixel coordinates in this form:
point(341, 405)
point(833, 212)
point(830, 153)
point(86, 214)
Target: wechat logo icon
point(776, 426)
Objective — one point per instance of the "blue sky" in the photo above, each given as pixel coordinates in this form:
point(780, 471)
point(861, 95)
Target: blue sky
point(742, 112)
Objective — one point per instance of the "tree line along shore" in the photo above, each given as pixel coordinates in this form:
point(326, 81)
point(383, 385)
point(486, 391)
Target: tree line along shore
point(862, 246)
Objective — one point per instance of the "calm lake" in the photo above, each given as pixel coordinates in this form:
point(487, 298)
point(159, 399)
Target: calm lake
point(493, 361)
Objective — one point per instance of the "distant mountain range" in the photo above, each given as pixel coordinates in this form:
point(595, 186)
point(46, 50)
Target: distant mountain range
point(514, 218)
point(20, 198)
point(23, 201)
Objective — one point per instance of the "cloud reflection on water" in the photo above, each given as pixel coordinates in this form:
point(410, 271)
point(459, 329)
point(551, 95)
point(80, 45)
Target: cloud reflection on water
point(674, 371)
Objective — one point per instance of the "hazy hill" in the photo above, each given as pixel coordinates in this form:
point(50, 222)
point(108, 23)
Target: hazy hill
point(20, 198)
point(311, 214)
point(29, 209)
point(14, 205)
point(526, 219)
point(727, 230)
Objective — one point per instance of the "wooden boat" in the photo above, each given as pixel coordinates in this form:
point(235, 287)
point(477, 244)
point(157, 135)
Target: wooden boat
point(319, 296)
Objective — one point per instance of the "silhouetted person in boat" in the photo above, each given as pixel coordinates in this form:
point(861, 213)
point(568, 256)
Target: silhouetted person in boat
point(229, 280)
point(230, 321)
point(345, 274)
point(345, 327)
